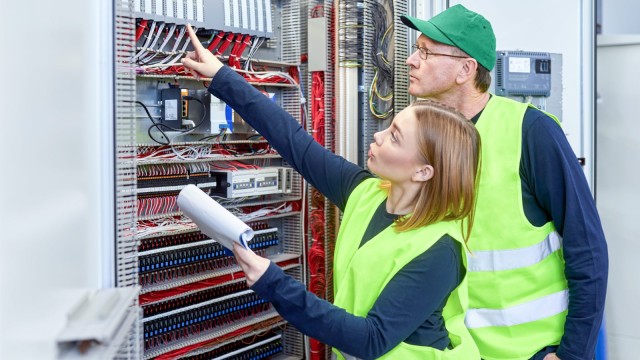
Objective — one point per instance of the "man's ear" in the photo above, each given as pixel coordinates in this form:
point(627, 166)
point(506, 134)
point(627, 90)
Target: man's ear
point(424, 173)
point(467, 70)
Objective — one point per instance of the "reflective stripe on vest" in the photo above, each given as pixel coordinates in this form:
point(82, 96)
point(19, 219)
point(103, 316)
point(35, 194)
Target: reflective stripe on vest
point(541, 308)
point(361, 273)
point(517, 285)
point(496, 260)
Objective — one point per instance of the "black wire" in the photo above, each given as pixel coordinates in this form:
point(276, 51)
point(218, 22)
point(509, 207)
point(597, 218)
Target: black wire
point(155, 124)
point(204, 111)
point(380, 56)
point(212, 136)
point(159, 126)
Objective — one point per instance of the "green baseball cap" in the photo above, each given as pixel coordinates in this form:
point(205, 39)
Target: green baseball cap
point(462, 28)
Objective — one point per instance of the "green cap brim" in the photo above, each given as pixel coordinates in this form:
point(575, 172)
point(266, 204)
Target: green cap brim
point(427, 28)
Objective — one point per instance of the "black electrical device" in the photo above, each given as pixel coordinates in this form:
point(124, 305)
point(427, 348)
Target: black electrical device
point(183, 109)
point(171, 110)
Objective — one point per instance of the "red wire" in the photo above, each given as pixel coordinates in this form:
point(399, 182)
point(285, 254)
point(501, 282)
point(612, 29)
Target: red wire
point(245, 42)
point(156, 296)
point(215, 41)
point(318, 259)
point(140, 29)
point(233, 55)
point(224, 45)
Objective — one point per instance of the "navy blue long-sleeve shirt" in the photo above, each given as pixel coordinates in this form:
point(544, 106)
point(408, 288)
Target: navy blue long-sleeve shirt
point(409, 308)
point(555, 189)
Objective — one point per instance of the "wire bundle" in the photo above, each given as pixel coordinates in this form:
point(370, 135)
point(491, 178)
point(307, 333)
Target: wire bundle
point(215, 151)
point(152, 206)
point(271, 345)
point(381, 88)
point(152, 55)
point(264, 325)
point(316, 255)
point(182, 272)
point(164, 226)
point(317, 107)
point(192, 323)
point(350, 33)
point(161, 170)
point(154, 60)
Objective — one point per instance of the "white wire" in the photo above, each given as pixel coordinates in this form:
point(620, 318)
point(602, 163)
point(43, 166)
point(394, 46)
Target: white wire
point(268, 74)
point(254, 47)
point(153, 44)
point(183, 30)
point(160, 65)
point(184, 47)
point(164, 43)
point(264, 211)
point(146, 44)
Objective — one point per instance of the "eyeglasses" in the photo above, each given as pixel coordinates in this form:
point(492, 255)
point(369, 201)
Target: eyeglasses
point(424, 53)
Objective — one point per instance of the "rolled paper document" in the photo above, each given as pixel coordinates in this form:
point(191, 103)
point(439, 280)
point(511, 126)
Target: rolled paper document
point(213, 219)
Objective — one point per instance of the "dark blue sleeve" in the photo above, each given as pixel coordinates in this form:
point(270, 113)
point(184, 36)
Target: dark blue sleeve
point(553, 174)
point(411, 297)
point(331, 174)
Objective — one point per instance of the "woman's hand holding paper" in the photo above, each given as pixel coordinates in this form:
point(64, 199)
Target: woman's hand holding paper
point(253, 265)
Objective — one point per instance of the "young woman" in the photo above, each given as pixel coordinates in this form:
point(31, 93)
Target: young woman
point(399, 275)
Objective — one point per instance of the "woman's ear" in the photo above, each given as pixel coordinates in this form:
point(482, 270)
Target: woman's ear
point(424, 173)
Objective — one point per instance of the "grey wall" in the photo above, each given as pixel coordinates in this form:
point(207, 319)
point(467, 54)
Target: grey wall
point(562, 27)
point(618, 196)
point(620, 17)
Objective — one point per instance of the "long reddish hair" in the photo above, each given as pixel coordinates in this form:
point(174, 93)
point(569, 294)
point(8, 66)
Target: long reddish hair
point(451, 144)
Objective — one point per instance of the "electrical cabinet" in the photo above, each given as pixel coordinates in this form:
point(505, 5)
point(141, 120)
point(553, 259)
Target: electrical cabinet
point(170, 133)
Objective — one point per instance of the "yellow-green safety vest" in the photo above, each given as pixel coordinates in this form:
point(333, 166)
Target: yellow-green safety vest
point(361, 273)
point(518, 294)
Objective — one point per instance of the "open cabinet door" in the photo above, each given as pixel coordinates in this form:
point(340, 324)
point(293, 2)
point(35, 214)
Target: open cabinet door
point(617, 185)
point(57, 180)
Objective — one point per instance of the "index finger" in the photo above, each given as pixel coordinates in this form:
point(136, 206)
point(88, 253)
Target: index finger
point(197, 45)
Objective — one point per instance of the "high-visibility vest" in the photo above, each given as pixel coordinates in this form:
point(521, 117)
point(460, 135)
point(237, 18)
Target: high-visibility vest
point(361, 273)
point(518, 294)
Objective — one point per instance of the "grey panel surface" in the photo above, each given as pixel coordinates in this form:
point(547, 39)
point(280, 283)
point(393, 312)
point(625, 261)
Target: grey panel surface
point(552, 103)
point(317, 37)
point(617, 195)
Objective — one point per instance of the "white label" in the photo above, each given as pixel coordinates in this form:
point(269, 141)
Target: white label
point(236, 14)
point(227, 12)
point(180, 9)
point(245, 16)
point(519, 65)
point(200, 10)
point(147, 7)
point(252, 14)
point(190, 9)
point(170, 5)
point(159, 8)
point(267, 14)
point(260, 16)
point(171, 109)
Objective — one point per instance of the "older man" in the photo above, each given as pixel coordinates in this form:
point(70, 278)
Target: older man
point(538, 263)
